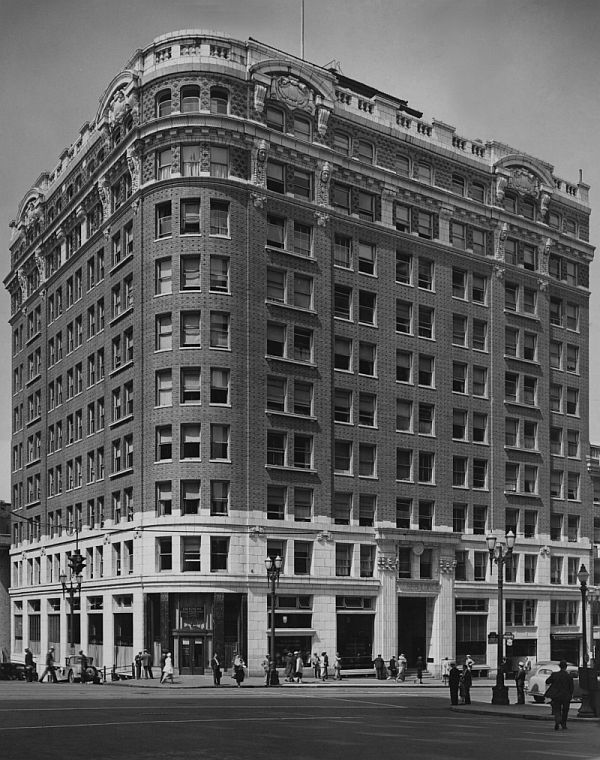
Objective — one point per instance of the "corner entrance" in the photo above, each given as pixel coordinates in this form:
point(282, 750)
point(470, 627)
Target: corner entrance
point(412, 620)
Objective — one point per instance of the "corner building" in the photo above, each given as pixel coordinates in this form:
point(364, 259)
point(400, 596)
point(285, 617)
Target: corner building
point(260, 308)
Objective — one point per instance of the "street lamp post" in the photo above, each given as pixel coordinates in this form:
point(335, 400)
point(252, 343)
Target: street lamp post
point(586, 710)
point(500, 557)
point(273, 572)
point(72, 585)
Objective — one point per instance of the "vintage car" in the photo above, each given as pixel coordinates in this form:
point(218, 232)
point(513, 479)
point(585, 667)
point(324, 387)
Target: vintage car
point(12, 671)
point(535, 680)
point(71, 670)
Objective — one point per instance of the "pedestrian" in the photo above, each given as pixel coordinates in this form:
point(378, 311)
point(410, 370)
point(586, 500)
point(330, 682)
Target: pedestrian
point(146, 666)
point(402, 665)
point(379, 665)
point(466, 680)
point(445, 670)
point(527, 664)
point(469, 662)
point(266, 666)
point(216, 669)
point(324, 666)
point(392, 669)
point(138, 666)
point(337, 667)
point(29, 666)
point(167, 671)
point(559, 693)
point(50, 668)
point(453, 683)
point(520, 682)
point(299, 667)
point(290, 665)
point(420, 669)
point(84, 662)
point(315, 664)
point(238, 669)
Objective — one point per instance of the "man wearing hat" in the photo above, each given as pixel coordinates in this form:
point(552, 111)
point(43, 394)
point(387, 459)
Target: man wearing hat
point(520, 681)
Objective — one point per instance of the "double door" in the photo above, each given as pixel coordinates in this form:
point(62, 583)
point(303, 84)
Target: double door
point(192, 659)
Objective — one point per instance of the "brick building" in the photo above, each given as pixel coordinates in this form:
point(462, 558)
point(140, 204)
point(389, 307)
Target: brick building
point(260, 308)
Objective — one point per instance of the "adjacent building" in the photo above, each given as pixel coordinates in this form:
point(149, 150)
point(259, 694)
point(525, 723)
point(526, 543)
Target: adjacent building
point(260, 309)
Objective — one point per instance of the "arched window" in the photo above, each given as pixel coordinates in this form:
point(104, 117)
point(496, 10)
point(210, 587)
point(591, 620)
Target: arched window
point(458, 184)
point(510, 203)
point(478, 192)
point(190, 98)
point(163, 103)
point(365, 151)
point(403, 166)
point(275, 118)
point(341, 143)
point(219, 100)
point(302, 128)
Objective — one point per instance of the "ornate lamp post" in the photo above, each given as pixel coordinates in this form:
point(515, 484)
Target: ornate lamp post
point(72, 585)
point(586, 710)
point(500, 556)
point(273, 572)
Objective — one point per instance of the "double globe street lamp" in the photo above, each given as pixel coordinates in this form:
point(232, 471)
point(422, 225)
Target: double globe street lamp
point(72, 585)
point(501, 556)
point(587, 677)
point(273, 572)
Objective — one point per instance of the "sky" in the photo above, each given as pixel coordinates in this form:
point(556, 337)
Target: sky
point(522, 72)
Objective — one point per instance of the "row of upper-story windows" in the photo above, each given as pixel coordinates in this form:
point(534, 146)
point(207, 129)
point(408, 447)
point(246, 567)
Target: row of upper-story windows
point(186, 386)
point(190, 330)
point(190, 218)
point(190, 100)
point(528, 208)
point(190, 442)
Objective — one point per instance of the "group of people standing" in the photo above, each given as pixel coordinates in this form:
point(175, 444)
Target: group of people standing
point(143, 665)
point(396, 669)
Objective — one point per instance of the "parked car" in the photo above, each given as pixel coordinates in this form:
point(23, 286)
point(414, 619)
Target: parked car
point(12, 671)
point(535, 680)
point(71, 670)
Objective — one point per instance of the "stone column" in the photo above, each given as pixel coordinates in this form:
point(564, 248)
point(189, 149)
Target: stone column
point(386, 617)
point(444, 620)
point(108, 632)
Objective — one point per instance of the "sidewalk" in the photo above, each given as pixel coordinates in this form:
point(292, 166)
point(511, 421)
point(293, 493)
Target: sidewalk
point(481, 693)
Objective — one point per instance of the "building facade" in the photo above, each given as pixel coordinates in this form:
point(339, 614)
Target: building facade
point(260, 309)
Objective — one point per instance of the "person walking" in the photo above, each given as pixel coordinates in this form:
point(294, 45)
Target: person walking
point(560, 694)
point(49, 669)
point(453, 683)
point(520, 683)
point(402, 665)
point(216, 669)
point(29, 666)
point(466, 681)
point(324, 666)
point(420, 669)
point(392, 669)
point(238, 669)
point(379, 665)
point(167, 671)
point(299, 667)
point(147, 670)
point(84, 662)
point(445, 670)
point(315, 664)
point(289, 667)
point(138, 666)
point(337, 667)
point(266, 666)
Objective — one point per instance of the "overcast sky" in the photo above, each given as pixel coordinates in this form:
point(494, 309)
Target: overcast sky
point(523, 72)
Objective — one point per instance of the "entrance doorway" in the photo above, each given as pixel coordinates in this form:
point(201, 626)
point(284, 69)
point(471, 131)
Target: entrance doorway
point(191, 656)
point(412, 621)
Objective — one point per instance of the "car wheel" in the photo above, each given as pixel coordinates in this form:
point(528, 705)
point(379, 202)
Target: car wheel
point(539, 699)
point(71, 677)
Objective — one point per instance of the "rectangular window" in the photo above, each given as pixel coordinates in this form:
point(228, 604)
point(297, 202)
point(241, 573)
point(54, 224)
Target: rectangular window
point(190, 554)
point(189, 216)
point(302, 243)
point(163, 220)
point(219, 497)
point(343, 559)
point(219, 274)
point(302, 557)
point(164, 554)
point(190, 441)
point(219, 217)
point(219, 553)
point(190, 497)
point(219, 163)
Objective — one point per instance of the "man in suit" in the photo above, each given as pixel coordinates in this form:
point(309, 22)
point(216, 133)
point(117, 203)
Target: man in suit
point(560, 692)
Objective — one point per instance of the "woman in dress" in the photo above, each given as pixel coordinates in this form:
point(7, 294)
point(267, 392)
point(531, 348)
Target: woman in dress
point(167, 673)
point(238, 669)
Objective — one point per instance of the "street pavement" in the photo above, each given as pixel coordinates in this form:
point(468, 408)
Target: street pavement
point(354, 719)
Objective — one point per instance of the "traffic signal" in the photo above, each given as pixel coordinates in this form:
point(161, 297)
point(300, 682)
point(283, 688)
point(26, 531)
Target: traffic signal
point(77, 563)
